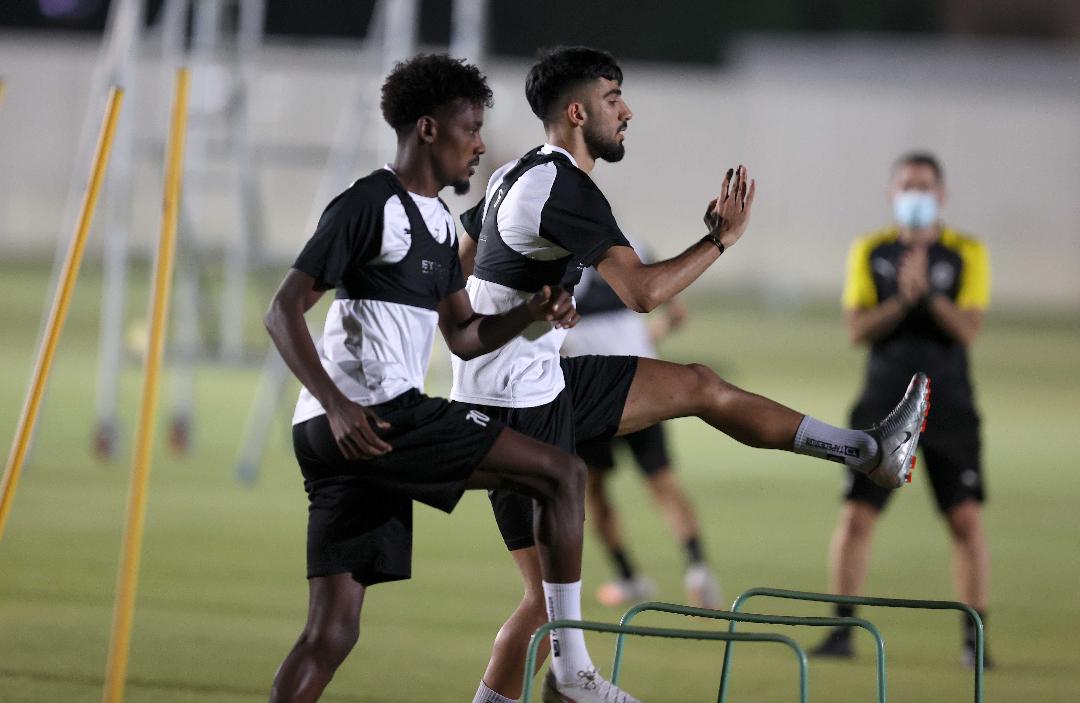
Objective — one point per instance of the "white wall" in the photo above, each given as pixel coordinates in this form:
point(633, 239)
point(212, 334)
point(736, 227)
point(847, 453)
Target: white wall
point(818, 124)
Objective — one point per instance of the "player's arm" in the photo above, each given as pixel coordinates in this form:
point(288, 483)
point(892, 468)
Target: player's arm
point(469, 334)
point(865, 326)
point(869, 319)
point(284, 320)
point(643, 287)
point(962, 318)
point(961, 325)
point(467, 254)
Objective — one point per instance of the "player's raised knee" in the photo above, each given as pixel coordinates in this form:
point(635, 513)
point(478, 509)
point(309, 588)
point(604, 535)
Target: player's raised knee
point(707, 388)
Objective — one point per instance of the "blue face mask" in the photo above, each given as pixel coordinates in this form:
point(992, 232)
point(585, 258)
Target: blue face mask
point(916, 209)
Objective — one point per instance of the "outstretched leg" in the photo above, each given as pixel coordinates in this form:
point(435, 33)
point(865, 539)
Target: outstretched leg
point(332, 629)
point(662, 390)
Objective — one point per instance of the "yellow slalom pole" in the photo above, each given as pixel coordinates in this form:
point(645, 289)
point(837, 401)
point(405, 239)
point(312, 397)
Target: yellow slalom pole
point(58, 313)
point(128, 576)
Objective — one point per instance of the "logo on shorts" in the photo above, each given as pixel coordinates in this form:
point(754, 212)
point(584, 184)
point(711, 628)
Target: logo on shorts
point(478, 417)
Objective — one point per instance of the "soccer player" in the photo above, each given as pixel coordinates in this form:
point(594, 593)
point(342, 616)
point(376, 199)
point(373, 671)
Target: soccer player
point(367, 440)
point(915, 294)
point(609, 327)
point(542, 221)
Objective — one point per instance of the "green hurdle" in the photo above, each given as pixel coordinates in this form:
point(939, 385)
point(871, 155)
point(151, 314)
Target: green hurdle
point(861, 600)
point(622, 630)
point(734, 617)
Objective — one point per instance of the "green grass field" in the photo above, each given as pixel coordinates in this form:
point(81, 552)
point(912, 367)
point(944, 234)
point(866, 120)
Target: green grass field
point(222, 592)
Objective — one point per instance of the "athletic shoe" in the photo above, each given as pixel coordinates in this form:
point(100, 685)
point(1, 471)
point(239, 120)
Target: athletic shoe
point(837, 644)
point(898, 435)
point(626, 591)
point(702, 588)
point(590, 687)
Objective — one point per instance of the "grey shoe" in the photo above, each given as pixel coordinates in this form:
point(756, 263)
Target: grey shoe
point(702, 588)
point(898, 435)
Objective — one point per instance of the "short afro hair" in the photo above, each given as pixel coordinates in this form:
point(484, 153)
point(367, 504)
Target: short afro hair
point(426, 82)
point(562, 69)
point(921, 158)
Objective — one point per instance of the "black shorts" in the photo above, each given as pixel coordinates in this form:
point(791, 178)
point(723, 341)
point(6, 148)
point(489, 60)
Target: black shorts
point(360, 512)
point(951, 460)
point(589, 407)
point(649, 447)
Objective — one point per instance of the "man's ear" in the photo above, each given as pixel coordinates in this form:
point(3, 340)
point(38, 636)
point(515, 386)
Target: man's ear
point(427, 129)
point(575, 112)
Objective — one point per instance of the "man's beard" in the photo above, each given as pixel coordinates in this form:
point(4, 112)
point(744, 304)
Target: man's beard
point(461, 187)
point(599, 147)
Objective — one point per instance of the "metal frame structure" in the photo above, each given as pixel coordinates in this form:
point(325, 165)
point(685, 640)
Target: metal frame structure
point(622, 630)
point(734, 617)
point(980, 642)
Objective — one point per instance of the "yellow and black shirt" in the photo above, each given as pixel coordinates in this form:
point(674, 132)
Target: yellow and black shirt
point(958, 268)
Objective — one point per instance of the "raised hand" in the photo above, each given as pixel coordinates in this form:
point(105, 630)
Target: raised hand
point(728, 214)
point(554, 304)
point(354, 428)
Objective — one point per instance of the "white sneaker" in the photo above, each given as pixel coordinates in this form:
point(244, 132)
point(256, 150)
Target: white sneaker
point(702, 588)
point(590, 687)
point(898, 435)
point(626, 591)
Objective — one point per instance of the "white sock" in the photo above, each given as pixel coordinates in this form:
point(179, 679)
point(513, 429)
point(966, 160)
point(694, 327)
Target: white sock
point(568, 652)
point(486, 695)
point(854, 448)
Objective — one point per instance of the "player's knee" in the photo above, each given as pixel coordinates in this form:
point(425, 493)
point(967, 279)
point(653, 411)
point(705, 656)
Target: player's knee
point(568, 472)
point(707, 388)
point(330, 643)
point(963, 522)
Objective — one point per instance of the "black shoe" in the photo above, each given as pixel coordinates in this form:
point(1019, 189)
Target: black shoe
point(836, 644)
point(968, 657)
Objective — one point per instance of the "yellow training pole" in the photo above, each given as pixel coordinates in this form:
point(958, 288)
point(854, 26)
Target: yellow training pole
point(127, 579)
point(58, 312)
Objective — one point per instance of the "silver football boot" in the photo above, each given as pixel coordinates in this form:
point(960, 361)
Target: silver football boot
point(898, 435)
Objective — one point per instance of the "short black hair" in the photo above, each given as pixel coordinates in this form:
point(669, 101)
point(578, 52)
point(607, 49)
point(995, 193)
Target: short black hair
point(563, 68)
point(426, 82)
point(921, 158)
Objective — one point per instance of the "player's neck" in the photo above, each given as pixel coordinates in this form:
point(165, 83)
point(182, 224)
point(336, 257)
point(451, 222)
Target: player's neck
point(573, 142)
point(416, 174)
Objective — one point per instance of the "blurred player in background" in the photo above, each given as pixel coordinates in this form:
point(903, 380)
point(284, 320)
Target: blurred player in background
point(609, 327)
point(541, 223)
point(915, 294)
